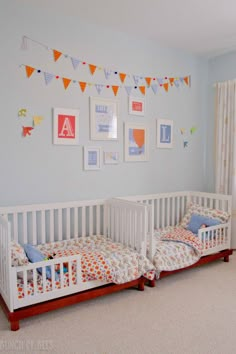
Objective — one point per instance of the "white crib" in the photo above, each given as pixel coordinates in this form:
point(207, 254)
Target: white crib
point(124, 222)
point(168, 209)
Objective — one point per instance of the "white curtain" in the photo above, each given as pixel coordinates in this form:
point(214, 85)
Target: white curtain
point(225, 122)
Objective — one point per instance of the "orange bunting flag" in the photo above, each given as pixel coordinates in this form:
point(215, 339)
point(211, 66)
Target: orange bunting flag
point(122, 77)
point(92, 68)
point(27, 130)
point(56, 54)
point(166, 86)
point(115, 89)
point(186, 80)
point(142, 89)
point(29, 70)
point(82, 85)
point(171, 79)
point(66, 82)
point(148, 80)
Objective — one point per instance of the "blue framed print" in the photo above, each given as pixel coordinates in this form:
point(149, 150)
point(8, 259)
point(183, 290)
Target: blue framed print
point(164, 133)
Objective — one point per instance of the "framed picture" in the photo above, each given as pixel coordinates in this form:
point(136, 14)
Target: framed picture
point(136, 142)
point(92, 158)
point(111, 158)
point(164, 133)
point(103, 119)
point(65, 126)
point(136, 106)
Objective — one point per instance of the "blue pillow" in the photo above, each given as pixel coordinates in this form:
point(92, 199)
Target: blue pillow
point(34, 255)
point(196, 221)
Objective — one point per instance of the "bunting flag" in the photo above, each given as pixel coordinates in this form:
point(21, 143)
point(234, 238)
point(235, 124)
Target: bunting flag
point(182, 131)
point(107, 73)
point(166, 86)
point(82, 85)
point(66, 82)
point(138, 79)
point(75, 62)
point(29, 70)
point(99, 88)
point(148, 80)
point(48, 77)
point(56, 54)
point(122, 77)
point(92, 68)
point(115, 89)
point(37, 120)
point(186, 80)
point(171, 80)
point(26, 131)
point(128, 89)
point(142, 89)
point(22, 112)
point(154, 88)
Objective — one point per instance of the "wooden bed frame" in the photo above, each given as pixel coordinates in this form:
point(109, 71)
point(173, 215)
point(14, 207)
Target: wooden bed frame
point(124, 222)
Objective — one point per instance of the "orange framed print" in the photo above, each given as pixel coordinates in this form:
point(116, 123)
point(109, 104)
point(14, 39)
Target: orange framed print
point(65, 126)
point(136, 106)
point(136, 142)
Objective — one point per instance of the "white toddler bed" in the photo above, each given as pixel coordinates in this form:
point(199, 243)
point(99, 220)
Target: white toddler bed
point(98, 247)
point(188, 229)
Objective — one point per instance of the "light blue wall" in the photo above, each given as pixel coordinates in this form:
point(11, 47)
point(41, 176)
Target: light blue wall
point(33, 170)
point(221, 68)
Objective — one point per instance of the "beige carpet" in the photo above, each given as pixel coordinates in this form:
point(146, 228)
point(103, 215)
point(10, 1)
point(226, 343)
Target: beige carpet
point(193, 312)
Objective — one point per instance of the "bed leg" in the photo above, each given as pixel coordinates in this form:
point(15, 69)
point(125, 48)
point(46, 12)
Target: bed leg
point(151, 283)
point(15, 325)
point(141, 285)
point(226, 258)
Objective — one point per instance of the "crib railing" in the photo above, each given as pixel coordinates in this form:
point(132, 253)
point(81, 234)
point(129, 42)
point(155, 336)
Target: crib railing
point(5, 262)
point(128, 222)
point(37, 224)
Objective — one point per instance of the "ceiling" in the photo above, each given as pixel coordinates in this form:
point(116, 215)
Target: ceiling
point(203, 27)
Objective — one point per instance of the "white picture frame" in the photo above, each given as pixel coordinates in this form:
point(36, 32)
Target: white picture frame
point(164, 133)
point(65, 126)
point(103, 119)
point(136, 106)
point(92, 158)
point(111, 157)
point(136, 142)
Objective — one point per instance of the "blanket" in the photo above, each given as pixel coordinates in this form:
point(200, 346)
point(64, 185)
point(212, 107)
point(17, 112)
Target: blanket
point(176, 248)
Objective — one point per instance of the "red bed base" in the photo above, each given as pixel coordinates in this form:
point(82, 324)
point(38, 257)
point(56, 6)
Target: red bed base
point(203, 260)
point(19, 314)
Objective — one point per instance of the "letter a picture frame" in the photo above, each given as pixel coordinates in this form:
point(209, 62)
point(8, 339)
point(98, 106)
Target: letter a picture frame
point(65, 126)
point(164, 133)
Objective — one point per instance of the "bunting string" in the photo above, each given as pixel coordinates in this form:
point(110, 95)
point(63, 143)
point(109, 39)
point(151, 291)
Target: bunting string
point(48, 77)
point(153, 81)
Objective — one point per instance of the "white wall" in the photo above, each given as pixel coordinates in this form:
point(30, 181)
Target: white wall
point(34, 170)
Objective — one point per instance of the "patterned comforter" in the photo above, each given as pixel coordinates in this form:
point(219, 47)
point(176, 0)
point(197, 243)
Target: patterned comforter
point(101, 259)
point(176, 248)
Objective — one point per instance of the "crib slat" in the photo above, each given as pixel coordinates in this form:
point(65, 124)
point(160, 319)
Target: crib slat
point(76, 224)
point(34, 228)
point(15, 227)
point(98, 223)
point(51, 225)
point(24, 227)
point(68, 223)
point(59, 224)
point(83, 221)
point(90, 220)
point(43, 231)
